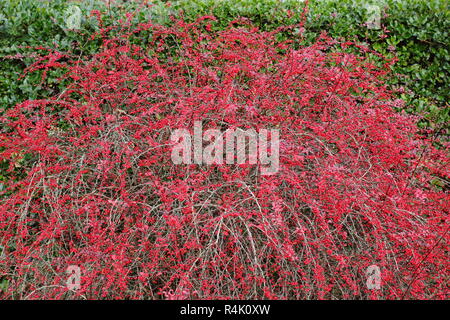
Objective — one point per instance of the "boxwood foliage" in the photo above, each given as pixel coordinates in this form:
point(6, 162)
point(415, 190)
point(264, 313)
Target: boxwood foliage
point(415, 31)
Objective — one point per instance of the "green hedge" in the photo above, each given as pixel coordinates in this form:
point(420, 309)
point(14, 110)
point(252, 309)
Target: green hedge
point(418, 35)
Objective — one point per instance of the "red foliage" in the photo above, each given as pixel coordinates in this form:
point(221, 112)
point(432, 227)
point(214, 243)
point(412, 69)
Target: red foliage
point(92, 182)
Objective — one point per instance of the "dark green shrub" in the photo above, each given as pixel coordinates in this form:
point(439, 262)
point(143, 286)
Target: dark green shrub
point(417, 35)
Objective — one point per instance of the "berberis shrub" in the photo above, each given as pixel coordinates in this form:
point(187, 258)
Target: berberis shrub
point(92, 183)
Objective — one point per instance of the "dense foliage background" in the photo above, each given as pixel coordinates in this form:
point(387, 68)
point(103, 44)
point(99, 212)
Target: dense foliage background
point(75, 123)
point(414, 31)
